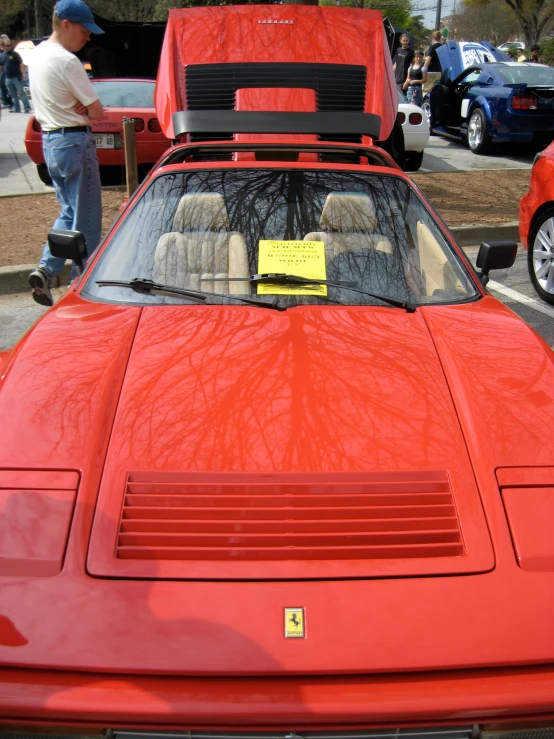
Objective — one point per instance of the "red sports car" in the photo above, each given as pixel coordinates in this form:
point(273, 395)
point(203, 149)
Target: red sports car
point(536, 224)
point(121, 98)
point(276, 465)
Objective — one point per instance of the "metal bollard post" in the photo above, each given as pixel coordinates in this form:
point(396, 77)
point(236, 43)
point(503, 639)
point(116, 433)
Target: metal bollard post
point(130, 144)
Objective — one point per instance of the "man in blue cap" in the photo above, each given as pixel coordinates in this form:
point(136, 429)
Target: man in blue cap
point(65, 105)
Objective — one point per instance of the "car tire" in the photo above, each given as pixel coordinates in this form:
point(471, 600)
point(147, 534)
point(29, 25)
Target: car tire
point(426, 108)
point(412, 160)
point(43, 174)
point(540, 255)
point(478, 138)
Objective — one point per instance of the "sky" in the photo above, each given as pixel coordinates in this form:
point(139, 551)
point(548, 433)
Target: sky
point(429, 10)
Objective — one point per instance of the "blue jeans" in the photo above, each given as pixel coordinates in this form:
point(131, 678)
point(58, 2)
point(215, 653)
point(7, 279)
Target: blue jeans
point(415, 94)
point(17, 93)
point(6, 99)
point(73, 166)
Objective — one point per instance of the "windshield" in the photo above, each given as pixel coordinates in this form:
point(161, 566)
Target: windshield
point(531, 74)
point(210, 230)
point(125, 94)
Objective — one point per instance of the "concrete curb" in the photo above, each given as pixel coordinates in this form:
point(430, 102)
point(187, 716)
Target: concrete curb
point(15, 279)
point(474, 235)
point(49, 191)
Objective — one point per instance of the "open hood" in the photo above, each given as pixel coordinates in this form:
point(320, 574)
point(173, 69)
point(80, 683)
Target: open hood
point(456, 56)
point(125, 49)
point(210, 53)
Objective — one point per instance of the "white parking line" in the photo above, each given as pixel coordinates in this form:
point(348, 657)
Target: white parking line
point(514, 295)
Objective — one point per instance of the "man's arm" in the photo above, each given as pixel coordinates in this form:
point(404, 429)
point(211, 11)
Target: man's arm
point(82, 89)
point(427, 61)
point(94, 110)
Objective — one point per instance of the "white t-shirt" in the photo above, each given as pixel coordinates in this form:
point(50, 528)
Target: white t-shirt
point(58, 80)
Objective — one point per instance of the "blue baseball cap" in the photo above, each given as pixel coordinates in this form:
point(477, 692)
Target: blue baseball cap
point(77, 11)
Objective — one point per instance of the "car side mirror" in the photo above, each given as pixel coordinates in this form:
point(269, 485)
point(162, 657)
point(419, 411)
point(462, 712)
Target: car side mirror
point(68, 245)
point(495, 255)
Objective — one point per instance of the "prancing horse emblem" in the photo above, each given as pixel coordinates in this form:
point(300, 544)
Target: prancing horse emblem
point(294, 623)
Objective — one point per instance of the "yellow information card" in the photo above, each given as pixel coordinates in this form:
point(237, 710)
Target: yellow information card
point(299, 258)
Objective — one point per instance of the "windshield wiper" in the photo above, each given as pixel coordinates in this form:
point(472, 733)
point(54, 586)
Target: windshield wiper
point(149, 287)
point(278, 278)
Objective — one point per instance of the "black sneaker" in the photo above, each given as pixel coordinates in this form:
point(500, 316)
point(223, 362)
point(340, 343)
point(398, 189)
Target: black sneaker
point(38, 280)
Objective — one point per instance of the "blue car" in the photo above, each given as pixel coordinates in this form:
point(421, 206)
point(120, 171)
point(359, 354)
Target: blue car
point(484, 100)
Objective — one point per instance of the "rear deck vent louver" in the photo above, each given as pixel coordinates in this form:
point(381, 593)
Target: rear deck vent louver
point(338, 87)
point(400, 515)
point(442, 732)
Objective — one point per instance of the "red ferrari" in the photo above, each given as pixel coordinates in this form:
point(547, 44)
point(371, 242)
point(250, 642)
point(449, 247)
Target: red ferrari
point(536, 224)
point(121, 98)
point(273, 467)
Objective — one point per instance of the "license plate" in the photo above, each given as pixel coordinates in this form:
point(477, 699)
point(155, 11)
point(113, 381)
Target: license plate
point(105, 140)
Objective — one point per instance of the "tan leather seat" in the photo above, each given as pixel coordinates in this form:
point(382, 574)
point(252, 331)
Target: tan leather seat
point(436, 271)
point(348, 221)
point(201, 246)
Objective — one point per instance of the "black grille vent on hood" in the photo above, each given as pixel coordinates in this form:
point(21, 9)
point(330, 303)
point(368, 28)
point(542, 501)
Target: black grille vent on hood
point(338, 87)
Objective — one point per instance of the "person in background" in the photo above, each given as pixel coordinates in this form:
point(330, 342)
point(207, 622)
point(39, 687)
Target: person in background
point(402, 59)
point(65, 104)
point(432, 63)
point(417, 77)
point(535, 55)
point(6, 99)
point(512, 53)
point(12, 65)
point(521, 56)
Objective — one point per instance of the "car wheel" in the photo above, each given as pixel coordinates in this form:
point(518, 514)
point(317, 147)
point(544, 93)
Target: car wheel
point(43, 174)
point(540, 255)
point(412, 160)
point(478, 138)
point(426, 108)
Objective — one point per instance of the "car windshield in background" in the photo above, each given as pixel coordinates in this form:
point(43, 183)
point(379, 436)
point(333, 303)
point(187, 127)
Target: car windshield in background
point(210, 230)
point(530, 74)
point(125, 94)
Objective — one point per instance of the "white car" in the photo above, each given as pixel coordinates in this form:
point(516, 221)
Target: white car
point(512, 45)
point(416, 132)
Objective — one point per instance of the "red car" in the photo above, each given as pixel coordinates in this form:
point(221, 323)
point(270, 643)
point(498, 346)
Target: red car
point(536, 224)
point(121, 98)
point(272, 467)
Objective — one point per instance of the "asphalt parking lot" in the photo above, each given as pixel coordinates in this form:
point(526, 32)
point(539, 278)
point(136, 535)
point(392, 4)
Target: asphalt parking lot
point(447, 155)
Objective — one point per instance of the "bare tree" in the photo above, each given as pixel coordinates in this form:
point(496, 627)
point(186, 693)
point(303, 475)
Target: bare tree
point(493, 22)
point(534, 17)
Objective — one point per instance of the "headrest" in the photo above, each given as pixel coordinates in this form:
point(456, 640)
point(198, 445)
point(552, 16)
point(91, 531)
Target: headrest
point(348, 210)
point(199, 212)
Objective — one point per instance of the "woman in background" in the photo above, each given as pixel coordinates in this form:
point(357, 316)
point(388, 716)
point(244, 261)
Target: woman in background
point(417, 77)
